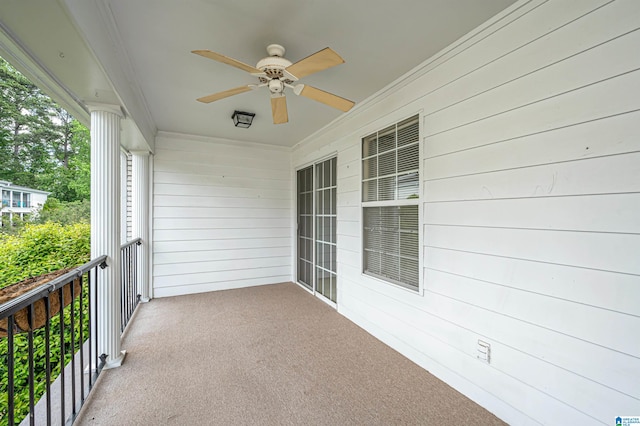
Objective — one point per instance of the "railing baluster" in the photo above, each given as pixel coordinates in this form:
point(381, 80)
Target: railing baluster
point(61, 316)
point(132, 282)
point(132, 249)
point(10, 371)
point(91, 335)
point(127, 284)
point(122, 297)
point(47, 339)
point(73, 347)
point(134, 276)
point(31, 321)
point(129, 297)
point(97, 317)
point(81, 339)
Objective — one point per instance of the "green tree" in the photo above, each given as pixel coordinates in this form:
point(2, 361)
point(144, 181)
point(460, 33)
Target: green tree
point(70, 180)
point(65, 212)
point(41, 144)
point(24, 117)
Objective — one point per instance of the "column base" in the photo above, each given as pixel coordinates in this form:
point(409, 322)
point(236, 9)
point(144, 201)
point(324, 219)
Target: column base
point(116, 362)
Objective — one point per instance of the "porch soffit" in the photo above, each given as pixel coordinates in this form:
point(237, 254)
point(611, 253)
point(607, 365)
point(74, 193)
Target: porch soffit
point(41, 40)
point(138, 54)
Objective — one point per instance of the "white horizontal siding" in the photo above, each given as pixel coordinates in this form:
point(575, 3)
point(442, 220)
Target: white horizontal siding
point(170, 258)
point(604, 251)
point(187, 246)
point(188, 178)
point(219, 212)
point(580, 285)
point(598, 138)
point(222, 215)
point(595, 213)
point(129, 198)
point(605, 175)
point(530, 201)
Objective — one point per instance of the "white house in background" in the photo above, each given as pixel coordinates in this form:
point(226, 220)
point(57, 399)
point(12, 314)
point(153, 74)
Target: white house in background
point(501, 252)
point(20, 201)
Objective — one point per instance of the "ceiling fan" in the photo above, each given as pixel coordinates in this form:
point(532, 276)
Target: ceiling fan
point(277, 73)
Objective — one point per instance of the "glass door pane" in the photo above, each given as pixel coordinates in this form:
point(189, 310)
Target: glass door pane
point(305, 226)
point(326, 215)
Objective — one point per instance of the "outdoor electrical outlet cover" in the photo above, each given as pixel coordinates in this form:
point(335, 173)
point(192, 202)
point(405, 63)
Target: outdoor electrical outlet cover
point(484, 351)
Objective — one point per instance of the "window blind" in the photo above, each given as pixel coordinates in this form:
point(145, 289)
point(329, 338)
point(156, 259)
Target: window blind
point(390, 172)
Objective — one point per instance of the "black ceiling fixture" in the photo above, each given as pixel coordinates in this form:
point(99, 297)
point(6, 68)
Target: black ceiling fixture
point(242, 119)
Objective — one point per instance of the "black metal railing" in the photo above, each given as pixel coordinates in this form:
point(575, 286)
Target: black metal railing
point(129, 297)
point(57, 322)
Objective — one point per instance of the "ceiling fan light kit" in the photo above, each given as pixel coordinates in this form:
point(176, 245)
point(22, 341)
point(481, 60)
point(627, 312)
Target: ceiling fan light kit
point(277, 73)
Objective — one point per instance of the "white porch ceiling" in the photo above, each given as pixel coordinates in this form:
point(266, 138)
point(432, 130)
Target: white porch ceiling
point(380, 41)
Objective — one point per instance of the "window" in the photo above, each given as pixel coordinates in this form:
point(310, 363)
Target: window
point(15, 200)
point(390, 201)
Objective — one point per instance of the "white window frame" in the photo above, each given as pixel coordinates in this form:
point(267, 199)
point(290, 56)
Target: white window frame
point(392, 119)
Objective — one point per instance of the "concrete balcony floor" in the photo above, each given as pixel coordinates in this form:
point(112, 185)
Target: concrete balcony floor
point(270, 355)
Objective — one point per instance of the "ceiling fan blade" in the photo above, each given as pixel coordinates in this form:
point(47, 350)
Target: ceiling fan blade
point(227, 60)
point(279, 109)
point(326, 58)
point(326, 98)
point(225, 94)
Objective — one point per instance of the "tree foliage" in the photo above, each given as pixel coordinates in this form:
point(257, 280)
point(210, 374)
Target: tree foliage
point(65, 213)
point(41, 145)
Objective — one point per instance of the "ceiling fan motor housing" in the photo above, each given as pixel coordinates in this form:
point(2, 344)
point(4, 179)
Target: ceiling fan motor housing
point(273, 66)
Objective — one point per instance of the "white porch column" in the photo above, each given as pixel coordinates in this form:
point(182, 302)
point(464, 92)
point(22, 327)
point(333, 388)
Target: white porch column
point(105, 225)
point(140, 221)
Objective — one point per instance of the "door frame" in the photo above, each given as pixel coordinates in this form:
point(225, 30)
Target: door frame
point(312, 164)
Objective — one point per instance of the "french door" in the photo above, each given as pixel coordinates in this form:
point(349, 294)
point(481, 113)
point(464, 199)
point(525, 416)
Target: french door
point(316, 238)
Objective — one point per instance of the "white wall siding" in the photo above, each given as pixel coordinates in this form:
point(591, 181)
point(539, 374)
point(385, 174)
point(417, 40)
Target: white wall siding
point(124, 195)
point(221, 215)
point(530, 201)
point(38, 200)
point(129, 199)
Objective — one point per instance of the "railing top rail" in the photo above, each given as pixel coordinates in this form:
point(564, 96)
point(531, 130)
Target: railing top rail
point(137, 241)
point(24, 300)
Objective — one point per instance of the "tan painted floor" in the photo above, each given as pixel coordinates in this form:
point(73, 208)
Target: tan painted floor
point(270, 355)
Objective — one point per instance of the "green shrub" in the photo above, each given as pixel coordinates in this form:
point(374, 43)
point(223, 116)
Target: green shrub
point(33, 251)
point(21, 359)
point(38, 249)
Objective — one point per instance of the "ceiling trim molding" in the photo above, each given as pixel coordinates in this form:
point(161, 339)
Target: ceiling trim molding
point(222, 141)
point(507, 16)
point(124, 57)
point(91, 19)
